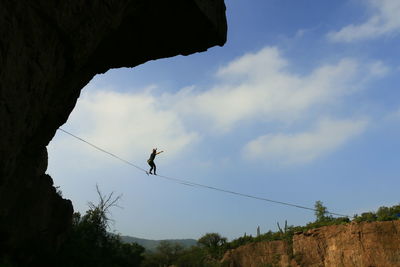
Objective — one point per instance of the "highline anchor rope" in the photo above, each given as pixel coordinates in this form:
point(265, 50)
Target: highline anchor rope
point(189, 183)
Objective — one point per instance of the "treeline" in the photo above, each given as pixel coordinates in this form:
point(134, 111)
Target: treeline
point(208, 252)
point(90, 244)
point(322, 218)
point(383, 214)
point(211, 247)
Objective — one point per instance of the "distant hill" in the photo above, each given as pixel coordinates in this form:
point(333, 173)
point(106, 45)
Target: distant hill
point(152, 244)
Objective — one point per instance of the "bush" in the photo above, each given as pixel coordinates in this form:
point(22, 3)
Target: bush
point(383, 214)
point(89, 243)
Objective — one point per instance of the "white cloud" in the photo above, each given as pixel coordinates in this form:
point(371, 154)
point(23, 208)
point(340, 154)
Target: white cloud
point(378, 69)
point(302, 32)
point(258, 86)
point(384, 21)
point(128, 124)
point(394, 115)
point(304, 147)
point(397, 113)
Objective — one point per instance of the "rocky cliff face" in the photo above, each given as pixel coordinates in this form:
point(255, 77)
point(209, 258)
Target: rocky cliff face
point(375, 244)
point(49, 50)
point(274, 253)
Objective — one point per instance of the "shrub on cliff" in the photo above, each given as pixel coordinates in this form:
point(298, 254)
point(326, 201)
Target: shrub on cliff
point(383, 214)
point(214, 244)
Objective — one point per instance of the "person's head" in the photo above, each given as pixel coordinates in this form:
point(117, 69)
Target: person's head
point(154, 149)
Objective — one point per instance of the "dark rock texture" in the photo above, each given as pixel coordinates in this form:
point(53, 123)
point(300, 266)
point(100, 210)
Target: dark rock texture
point(49, 50)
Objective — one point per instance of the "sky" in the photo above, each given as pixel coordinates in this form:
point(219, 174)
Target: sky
point(301, 104)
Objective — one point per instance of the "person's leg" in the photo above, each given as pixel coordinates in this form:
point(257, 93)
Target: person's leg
point(154, 165)
point(151, 166)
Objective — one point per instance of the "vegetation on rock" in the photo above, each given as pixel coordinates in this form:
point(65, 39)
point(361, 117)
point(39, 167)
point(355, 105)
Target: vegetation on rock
point(90, 244)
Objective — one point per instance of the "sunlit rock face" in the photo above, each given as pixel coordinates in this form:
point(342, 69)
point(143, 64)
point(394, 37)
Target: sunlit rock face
point(49, 50)
point(355, 244)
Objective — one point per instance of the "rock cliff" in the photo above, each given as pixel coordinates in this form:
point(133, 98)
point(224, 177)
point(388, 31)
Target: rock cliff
point(273, 253)
point(375, 244)
point(49, 50)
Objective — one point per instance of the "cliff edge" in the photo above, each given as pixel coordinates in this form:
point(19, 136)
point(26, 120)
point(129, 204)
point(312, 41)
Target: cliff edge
point(49, 50)
point(374, 244)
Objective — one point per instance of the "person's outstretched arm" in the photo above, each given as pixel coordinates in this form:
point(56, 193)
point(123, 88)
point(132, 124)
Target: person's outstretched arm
point(159, 152)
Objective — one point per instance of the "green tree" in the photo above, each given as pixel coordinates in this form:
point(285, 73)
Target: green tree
point(386, 214)
point(214, 244)
point(382, 214)
point(89, 243)
point(169, 251)
point(321, 212)
point(243, 240)
point(192, 257)
point(166, 254)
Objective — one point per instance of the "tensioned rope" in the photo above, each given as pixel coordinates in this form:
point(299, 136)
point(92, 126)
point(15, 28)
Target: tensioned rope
point(189, 183)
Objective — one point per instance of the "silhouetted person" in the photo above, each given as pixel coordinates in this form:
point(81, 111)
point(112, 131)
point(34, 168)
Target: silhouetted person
point(150, 161)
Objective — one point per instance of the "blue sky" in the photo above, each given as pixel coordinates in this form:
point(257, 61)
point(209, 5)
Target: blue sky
point(301, 104)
